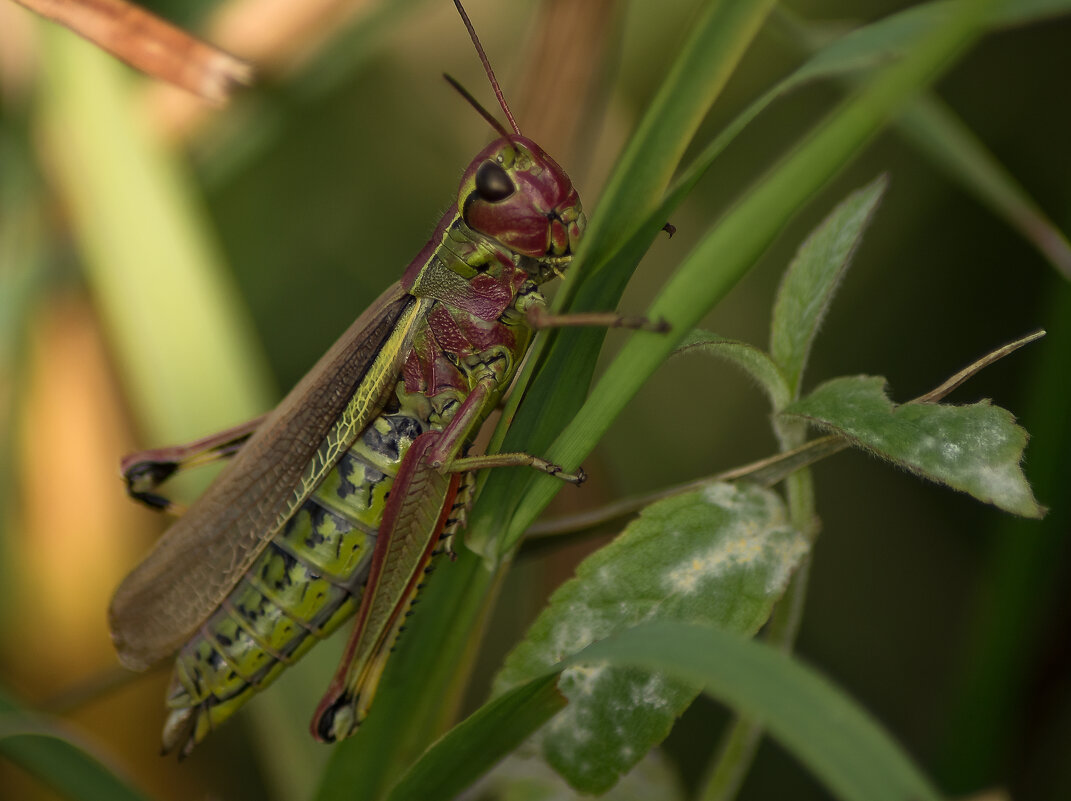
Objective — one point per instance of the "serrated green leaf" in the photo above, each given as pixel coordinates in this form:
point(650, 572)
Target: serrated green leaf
point(976, 449)
point(811, 279)
point(753, 361)
point(721, 555)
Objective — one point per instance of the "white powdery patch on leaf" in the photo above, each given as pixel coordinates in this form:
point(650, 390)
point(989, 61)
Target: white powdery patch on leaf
point(722, 494)
point(721, 556)
point(582, 628)
point(996, 481)
point(651, 693)
point(788, 551)
point(977, 448)
point(755, 537)
point(714, 563)
point(581, 680)
point(951, 451)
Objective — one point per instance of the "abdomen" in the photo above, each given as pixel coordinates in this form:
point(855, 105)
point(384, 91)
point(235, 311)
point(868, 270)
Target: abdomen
point(304, 585)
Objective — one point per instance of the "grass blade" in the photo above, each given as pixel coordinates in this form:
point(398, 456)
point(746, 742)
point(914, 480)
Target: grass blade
point(51, 754)
point(737, 241)
point(824, 728)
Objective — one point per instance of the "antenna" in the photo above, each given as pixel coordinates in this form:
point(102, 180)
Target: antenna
point(490, 76)
point(487, 115)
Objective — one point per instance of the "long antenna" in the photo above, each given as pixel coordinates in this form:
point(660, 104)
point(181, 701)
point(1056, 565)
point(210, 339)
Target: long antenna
point(487, 68)
point(487, 115)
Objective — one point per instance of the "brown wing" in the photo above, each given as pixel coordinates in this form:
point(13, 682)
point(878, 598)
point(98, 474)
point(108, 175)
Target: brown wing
point(201, 557)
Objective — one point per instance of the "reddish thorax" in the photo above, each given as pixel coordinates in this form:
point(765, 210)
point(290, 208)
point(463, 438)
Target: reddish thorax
point(521, 231)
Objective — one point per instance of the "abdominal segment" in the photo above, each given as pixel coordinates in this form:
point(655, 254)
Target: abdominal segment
point(307, 582)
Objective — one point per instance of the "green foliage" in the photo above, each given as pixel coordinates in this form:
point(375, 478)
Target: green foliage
point(720, 556)
point(51, 752)
point(837, 739)
point(852, 755)
point(811, 280)
point(719, 260)
point(975, 448)
point(529, 778)
point(476, 744)
point(755, 362)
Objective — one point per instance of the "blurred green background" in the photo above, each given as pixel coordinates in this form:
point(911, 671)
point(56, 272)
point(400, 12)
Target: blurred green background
point(945, 618)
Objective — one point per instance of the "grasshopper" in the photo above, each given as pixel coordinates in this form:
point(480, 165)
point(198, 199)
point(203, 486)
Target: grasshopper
point(333, 504)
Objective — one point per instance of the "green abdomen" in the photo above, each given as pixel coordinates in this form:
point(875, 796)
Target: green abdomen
point(303, 586)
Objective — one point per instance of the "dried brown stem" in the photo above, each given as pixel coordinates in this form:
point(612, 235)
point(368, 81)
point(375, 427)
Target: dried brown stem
point(150, 44)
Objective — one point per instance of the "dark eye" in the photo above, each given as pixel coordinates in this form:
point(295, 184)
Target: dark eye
point(493, 183)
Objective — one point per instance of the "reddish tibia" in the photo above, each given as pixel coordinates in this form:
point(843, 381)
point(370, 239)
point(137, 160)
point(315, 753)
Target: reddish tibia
point(416, 514)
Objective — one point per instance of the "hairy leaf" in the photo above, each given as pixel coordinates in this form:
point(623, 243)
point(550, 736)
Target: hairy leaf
point(811, 279)
point(721, 555)
point(976, 449)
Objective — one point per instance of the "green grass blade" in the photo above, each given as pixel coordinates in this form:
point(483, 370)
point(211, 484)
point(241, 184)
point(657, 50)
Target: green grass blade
point(838, 741)
point(696, 78)
point(184, 345)
point(474, 746)
point(954, 148)
point(52, 755)
point(729, 250)
point(713, 49)
point(418, 693)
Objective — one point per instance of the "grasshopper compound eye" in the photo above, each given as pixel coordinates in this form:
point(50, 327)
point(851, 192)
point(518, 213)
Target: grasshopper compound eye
point(493, 182)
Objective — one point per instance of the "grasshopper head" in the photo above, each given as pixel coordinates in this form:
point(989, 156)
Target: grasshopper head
point(515, 193)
